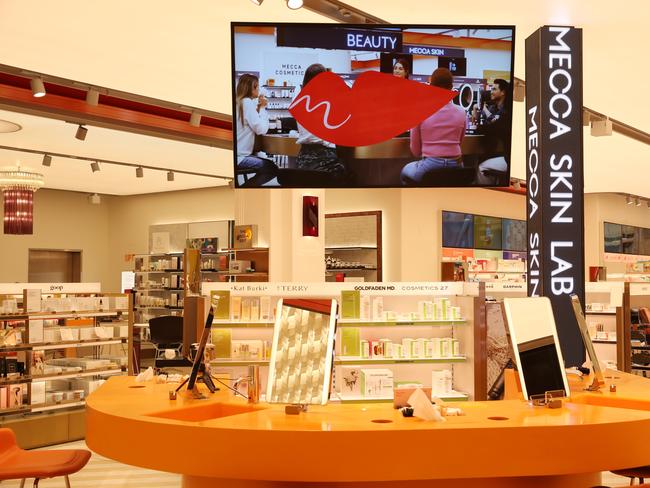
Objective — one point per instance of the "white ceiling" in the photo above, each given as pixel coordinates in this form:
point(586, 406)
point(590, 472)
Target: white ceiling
point(181, 52)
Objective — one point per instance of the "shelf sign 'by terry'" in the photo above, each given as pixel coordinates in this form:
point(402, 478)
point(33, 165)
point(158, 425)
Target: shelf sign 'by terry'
point(554, 170)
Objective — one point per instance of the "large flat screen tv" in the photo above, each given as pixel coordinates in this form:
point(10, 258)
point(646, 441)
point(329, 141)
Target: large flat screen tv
point(487, 233)
point(363, 106)
point(457, 230)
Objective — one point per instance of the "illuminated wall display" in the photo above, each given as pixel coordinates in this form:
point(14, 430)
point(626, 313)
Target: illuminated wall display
point(554, 171)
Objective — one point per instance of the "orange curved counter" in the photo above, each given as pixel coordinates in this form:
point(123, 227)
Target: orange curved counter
point(224, 442)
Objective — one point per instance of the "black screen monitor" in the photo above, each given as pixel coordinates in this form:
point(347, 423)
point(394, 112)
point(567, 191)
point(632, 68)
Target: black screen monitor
point(198, 359)
point(541, 366)
point(335, 143)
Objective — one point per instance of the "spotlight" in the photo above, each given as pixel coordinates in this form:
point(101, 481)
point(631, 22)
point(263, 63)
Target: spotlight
point(94, 166)
point(47, 160)
point(601, 128)
point(139, 172)
point(95, 199)
point(81, 133)
point(170, 176)
point(638, 202)
point(628, 200)
point(195, 119)
point(517, 185)
point(92, 97)
point(257, 2)
point(294, 4)
point(38, 88)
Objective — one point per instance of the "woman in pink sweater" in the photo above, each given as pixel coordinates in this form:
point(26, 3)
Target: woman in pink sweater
point(437, 139)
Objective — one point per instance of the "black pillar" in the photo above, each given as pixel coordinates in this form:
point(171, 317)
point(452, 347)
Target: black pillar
point(554, 170)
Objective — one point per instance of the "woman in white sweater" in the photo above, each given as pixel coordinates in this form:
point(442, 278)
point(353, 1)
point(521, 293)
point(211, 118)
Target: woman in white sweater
point(252, 120)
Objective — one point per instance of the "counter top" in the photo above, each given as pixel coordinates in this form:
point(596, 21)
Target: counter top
point(342, 443)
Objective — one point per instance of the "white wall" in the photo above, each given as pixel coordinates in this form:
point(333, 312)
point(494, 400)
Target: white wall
point(62, 220)
point(608, 207)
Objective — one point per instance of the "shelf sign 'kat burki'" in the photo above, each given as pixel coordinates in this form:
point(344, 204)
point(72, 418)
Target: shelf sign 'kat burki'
point(377, 108)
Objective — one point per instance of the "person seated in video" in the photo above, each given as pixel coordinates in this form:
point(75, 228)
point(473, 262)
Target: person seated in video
point(495, 128)
point(252, 120)
point(316, 154)
point(402, 68)
point(437, 139)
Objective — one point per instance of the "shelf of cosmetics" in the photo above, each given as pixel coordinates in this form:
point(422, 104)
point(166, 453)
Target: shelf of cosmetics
point(50, 333)
point(409, 348)
point(174, 300)
point(52, 383)
point(356, 310)
point(332, 262)
point(379, 384)
point(10, 306)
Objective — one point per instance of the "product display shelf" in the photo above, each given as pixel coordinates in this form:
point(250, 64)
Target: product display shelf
point(398, 323)
point(355, 360)
point(259, 258)
point(632, 335)
point(353, 245)
point(31, 389)
point(602, 300)
point(420, 368)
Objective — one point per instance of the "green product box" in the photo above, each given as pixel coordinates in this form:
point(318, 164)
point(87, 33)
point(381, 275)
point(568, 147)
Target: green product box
point(222, 339)
point(350, 304)
point(350, 345)
point(223, 307)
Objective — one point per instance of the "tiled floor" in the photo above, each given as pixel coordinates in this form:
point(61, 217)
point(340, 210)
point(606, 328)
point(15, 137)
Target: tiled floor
point(101, 472)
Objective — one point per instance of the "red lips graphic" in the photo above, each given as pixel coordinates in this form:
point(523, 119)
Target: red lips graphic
point(377, 108)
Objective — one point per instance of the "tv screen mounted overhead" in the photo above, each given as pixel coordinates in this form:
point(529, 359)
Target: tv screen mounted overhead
point(365, 106)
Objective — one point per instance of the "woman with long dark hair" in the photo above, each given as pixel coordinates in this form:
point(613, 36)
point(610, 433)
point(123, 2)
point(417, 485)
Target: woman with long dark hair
point(252, 120)
point(316, 154)
point(402, 68)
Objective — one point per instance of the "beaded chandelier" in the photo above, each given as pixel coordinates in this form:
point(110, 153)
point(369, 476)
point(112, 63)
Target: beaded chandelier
point(18, 186)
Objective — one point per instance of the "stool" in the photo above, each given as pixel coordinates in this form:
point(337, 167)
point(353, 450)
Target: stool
point(16, 463)
point(641, 472)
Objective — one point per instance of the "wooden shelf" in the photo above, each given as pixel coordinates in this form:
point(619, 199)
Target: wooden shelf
point(350, 360)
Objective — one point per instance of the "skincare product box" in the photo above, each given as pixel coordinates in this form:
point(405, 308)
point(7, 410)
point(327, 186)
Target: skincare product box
point(350, 381)
point(350, 304)
point(51, 334)
point(378, 308)
point(222, 340)
point(246, 309)
point(87, 333)
point(365, 310)
point(255, 309)
point(35, 331)
point(37, 393)
point(4, 397)
point(265, 309)
point(377, 383)
point(247, 350)
point(118, 303)
point(239, 265)
point(350, 341)
point(235, 308)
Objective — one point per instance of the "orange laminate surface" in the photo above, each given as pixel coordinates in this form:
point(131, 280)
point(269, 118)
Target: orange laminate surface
point(223, 437)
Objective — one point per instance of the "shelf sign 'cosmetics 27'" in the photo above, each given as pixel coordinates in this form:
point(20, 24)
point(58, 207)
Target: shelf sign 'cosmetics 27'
point(554, 170)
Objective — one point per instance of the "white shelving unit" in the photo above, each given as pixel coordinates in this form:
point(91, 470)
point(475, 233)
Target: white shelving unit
point(42, 392)
point(403, 297)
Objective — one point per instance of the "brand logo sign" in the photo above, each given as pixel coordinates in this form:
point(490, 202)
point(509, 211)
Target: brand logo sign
point(555, 207)
point(425, 50)
point(340, 38)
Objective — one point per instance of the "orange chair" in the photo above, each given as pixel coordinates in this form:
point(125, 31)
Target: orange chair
point(16, 463)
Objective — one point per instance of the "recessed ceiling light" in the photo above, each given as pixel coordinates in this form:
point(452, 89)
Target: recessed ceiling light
point(294, 4)
point(638, 202)
point(628, 200)
point(6, 127)
point(257, 2)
